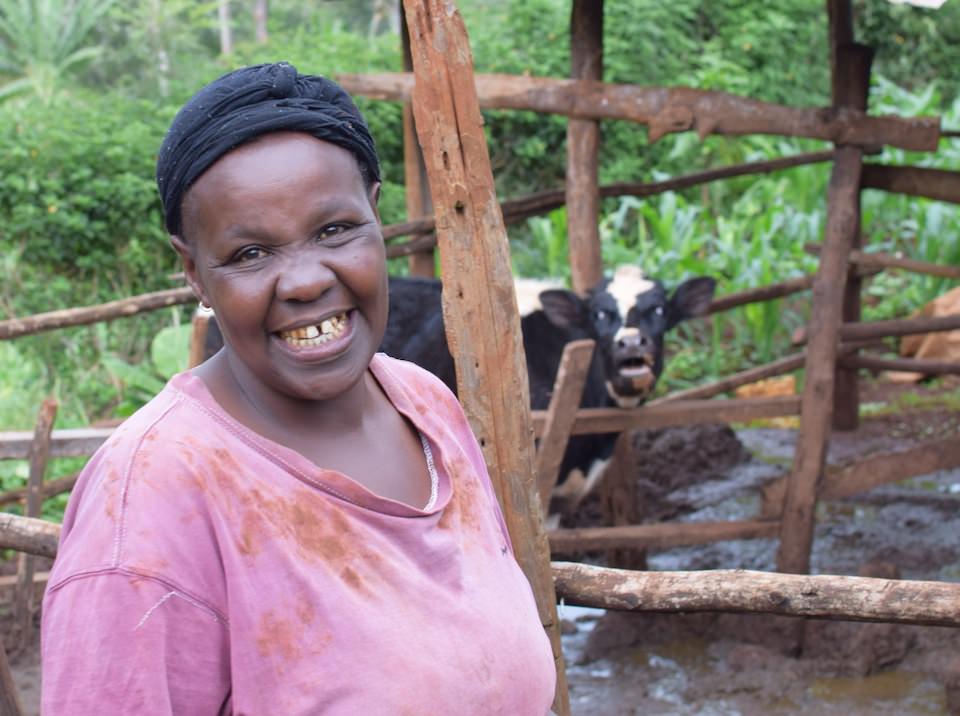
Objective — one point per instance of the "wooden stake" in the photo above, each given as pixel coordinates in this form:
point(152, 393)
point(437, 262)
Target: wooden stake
point(479, 305)
point(939, 184)
point(618, 495)
point(675, 109)
point(9, 695)
point(851, 90)
point(199, 326)
point(39, 456)
point(415, 181)
point(872, 472)
point(567, 393)
point(660, 535)
point(740, 590)
point(14, 327)
point(583, 146)
point(796, 530)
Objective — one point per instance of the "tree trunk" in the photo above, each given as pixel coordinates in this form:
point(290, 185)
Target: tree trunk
point(226, 32)
point(260, 21)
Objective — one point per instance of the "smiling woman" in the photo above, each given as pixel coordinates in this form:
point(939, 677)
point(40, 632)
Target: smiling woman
point(299, 525)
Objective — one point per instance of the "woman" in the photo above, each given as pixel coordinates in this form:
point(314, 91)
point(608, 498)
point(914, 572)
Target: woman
point(299, 525)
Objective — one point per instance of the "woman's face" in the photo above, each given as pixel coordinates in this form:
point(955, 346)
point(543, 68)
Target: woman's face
point(282, 240)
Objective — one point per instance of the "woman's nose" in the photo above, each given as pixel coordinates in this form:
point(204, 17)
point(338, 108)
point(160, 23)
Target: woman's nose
point(304, 279)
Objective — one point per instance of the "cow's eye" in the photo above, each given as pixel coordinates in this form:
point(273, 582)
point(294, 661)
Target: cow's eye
point(602, 315)
point(658, 310)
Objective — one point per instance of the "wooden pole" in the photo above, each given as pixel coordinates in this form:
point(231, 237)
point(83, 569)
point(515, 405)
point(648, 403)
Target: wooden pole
point(675, 109)
point(853, 85)
point(876, 260)
point(740, 590)
point(39, 456)
point(659, 535)
point(562, 411)
point(618, 496)
point(479, 304)
point(50, 489)
point(415, 182)
point(796, 530)
point(939, 184)
point(199, 327)
point(912, 365)
point(872, 472)
point(583, 147)
point(751, 375)
point(26, 534)
point(10, 704)
point(15, 327)
point(681, 412)
point(889, 329)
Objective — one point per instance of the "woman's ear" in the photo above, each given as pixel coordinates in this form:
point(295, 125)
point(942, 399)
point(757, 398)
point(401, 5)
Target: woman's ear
point(373, 196)
point(185, 252)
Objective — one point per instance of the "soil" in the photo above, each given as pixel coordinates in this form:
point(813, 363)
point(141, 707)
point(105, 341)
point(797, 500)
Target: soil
point(724, 664)
point(624, 663)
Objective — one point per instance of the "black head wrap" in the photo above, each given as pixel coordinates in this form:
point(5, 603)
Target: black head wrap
point(248, 103)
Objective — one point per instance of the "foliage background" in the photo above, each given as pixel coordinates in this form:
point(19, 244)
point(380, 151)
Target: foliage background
point(88, 87)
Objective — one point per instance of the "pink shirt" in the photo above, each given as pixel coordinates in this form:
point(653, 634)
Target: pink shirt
point(204, 569)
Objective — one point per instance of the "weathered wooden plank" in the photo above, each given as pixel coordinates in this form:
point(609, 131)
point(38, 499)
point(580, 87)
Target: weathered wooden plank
point(415, 181)
point(199, 326)
point(562, 411)
point(871, 472)
point(751, 375)
point(851, 87)
point(479, 305)
point(912, 365)
point(939, 184)
point(673, 109)
point(661, 535)
point(50, 488)
point(9, 695)
point(739, 590)
point(70, 442)
point(39, 457)
point(618, 500)
point(796, 527)
point(681, 412)
point(888, 329)
point(14, 327)
point(878, 260)
point(26, 534)
point(583, 150)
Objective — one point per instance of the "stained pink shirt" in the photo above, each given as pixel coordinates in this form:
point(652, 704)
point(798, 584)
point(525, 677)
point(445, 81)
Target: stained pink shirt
point(204, 569)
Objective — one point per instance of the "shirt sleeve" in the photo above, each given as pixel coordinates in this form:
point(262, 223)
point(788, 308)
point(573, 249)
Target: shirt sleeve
point(119, 643)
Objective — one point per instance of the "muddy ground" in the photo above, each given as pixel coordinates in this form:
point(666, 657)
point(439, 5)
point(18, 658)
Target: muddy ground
point(729, 665)
point(747, 664)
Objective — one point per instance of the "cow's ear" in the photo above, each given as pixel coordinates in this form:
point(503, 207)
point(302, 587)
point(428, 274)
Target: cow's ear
point(692, 298)
point(563, 308)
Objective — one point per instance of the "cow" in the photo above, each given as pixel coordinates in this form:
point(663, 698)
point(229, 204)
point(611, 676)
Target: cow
point(627, 316)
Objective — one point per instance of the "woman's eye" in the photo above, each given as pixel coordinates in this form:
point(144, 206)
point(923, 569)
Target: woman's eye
point(332, 230)
point(251, 253)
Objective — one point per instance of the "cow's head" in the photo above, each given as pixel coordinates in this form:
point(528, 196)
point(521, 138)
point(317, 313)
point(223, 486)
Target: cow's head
point(636, 356)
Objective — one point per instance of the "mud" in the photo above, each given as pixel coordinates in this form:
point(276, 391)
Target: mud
point(728, 664)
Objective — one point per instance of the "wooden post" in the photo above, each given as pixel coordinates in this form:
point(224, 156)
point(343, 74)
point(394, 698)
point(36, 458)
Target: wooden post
point(39, 456)
point(561, 414)
point(9, 696)
point(854, 84)
point(583, 144)
point(796, 532)
point(416, 185)
point(479, 304)
point(618, 495)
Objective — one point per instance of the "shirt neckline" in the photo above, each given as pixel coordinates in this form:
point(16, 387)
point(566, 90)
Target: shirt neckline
point(333, 482)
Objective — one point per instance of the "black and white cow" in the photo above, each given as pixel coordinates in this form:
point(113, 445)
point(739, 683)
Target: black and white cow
point(627, 316)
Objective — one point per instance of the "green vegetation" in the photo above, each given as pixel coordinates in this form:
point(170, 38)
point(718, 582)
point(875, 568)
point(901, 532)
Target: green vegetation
point(87, 88)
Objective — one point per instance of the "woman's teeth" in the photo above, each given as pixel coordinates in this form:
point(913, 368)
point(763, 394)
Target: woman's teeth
point(316, 335)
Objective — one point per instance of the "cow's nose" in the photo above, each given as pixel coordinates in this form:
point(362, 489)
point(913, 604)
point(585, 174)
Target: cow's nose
point(631, 338)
